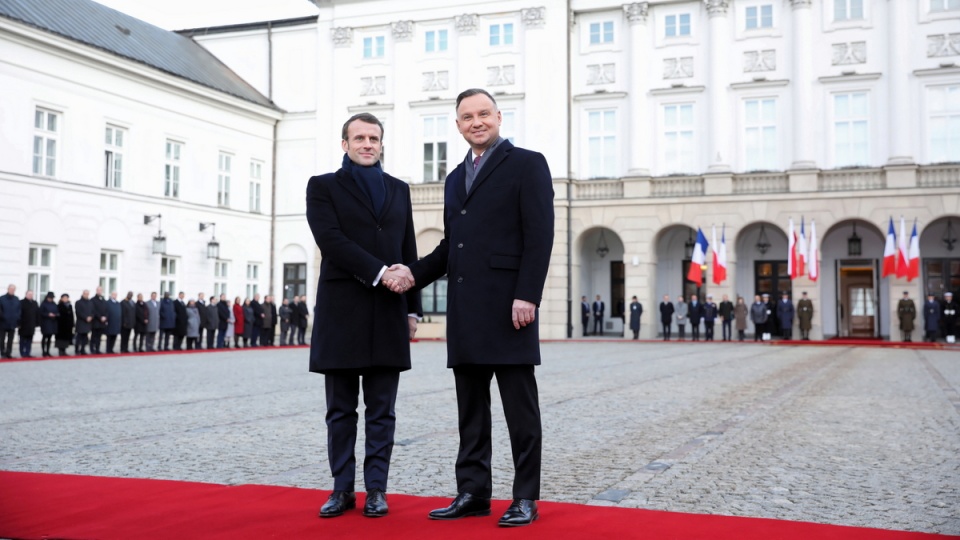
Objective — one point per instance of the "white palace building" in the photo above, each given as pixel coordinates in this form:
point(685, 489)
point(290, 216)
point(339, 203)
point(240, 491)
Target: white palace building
point(656, 118)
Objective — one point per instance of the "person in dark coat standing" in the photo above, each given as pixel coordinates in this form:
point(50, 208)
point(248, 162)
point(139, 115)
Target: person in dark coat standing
point(498, 236)
point(758, 315)
point(710, 312)
point(636, 310)
point(141, 321)
point(9, 320)
point(114, 321)
point(210, 320)
point(695, 313)
point(269, 321)
point(666, 316)
point(180, 315)
point(153, 321)
point(362, 221)
point(29, 320)
point(247, 320)
point(48, 323)
point(84, 309)
point(785, 313)
point(223, 321)
point(168, 321)
point(303, 321)
point(99, 322)
point(598, 309)
point(65, 322)
point(931, 318)
point(907, 313)
point(805, 316)
point(585, 315)
point(202, 311)
point(741, 313)
point(258, 316)
point(948, 317)
point(285, 313)
point(725, 311)
point(128, 318)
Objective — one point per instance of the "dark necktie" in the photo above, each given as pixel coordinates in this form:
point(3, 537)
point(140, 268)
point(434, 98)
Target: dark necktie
point(476, 163)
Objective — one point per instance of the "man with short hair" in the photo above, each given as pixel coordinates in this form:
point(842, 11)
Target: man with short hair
point(99, 323)
point(907, 313)
point(258, 316)
point(931, 318)
point(84, 311)
point(114, 323)
point(29, 320)
point(202, 310)
point(785, 313)
point(666, 316)
point(304, 320)
point(153, 320)
point(805, 316)
point(180, 316)
point(949, 317)
point(758, 315)
point(636, 310)
point(285, 313)
point(695, 313)
point(128, 320)
point(725, 311)
point(585, 315)
point(168, 321)
point(209, 321)
point(223, 320)
point(598, 309)
point(710, 310)
point(9, 320)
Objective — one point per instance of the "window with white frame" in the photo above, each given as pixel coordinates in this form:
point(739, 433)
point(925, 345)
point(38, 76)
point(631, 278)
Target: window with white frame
point(677, 25)
point(225, 165)
point(435, 148)
point(508, 125)
point(113, 154)
point(435, 41)
point(760, 134)
point(601, 32)
point(221, 270)
point(943, 124)
point(944, 5)
point(253, 279)
point(39, 268)
point(256, 175)
point(501, 34)
point(168, 275)
point(677, 138)
point(759, 16)
point(602, 143)
point(109, 270)
point(46, 135)
point(847, 10)
point(171, 169)
point(851, 125)
point(373, 46)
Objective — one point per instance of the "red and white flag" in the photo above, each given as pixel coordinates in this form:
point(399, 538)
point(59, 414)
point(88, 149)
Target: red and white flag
point(902, 255)
point(719, 256)
point(913, 255)
point(802, 250)
point(792, 251)
point(890, 252)
point(813, 259)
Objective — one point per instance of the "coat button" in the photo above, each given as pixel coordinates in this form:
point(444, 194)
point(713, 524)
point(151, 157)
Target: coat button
point(460, 245)
point(460, 280)
point(379, 228)
point(464, 211)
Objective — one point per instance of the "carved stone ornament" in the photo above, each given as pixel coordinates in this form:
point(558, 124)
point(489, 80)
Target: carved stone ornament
point(678, 68)
point(717, 7)
point(849, 53)
point(402, 30)
point(943, 45)
point(755, 61)
point(636, 12)
point(373, 86)
point(601, 73)
point(501, 75)
point(468, 23)
point(533, 17)
point(436, 80)
point(342, 36)
point(801, 3)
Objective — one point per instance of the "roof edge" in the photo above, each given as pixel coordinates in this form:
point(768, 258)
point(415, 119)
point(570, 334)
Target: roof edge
point(243, 27)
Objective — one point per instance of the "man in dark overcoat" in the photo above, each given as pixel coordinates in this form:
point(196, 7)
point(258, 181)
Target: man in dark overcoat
point(498, 236)
point(362, 221)
point(948, 317)
point(785, 313)
point(128, 319)
point(9, 320)
point(180, 315)
point(168, 321)
point(931, 318)
point(84, 311)
point(666, 316)
point(29, 320)
point(114, 321)
point(636, 310)
point(303, 321)
point(223, 320)
point(99, 323)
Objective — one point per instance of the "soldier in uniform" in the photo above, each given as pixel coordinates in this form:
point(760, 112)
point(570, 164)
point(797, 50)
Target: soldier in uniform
point(785, 313)
point(709, 317)
point(805, 316)
point(931, 318)
point(906, 312)
point(949, 316)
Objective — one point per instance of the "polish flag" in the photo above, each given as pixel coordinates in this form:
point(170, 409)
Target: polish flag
point(902, 255)
point(913, 256)
point(719, 256)
point(890, 252)
point(792, 251)
point(813, 259)
point(699, 258)
point(802, 251)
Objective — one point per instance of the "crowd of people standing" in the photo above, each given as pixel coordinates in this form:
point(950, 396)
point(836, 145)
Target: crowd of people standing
point(768, 318)
point(154, 324)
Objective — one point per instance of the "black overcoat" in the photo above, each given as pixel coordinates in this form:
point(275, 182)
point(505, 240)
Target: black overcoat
point(64, 324)
point(142, 317)
point(359, 325)
point(84, 308)
point(29, 317)
point(180, 309)
point(99, 304)
point(496, 248)
point(48, 324)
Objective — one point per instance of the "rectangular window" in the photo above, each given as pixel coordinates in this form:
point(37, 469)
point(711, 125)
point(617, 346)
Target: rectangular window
point(760, 16)
point(39, 269)
point(171, 169)
point(373, 47)
point(847, 10)
point(294, 280)
point(944, 5)
point(501, 34)
point(602, 143)
point(168, 275)
point(677, 25)
point(46, 134)
point(253, 279)
point(851, 126)
point(436, 41)
point(434, 297)
point(109, 270)
point(944, 123)
point(435, 148)
point(760, 136)
point(508, 126)
point(113, 154)
point(601, 32)
point(221, 271)
point(225, 165)
point(677, 143)
point(256, 175)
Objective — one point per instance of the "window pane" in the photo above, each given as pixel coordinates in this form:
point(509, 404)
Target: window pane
point(766, 16)
point(508, 34)
point(51, 122)
point(38, 119)
point(44, 283)
point(32, 257)
point(751, 17)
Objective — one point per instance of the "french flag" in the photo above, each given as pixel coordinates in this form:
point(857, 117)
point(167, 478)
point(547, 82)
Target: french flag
point(699, 258)
point(719, 256)
point(814, 260)
point(902, 255)
point(792, 251)
point(913, 256)
point(802, 250)
point(890, 252)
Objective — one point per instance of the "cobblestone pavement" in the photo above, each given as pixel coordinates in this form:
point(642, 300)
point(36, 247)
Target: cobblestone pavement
point(855, 436)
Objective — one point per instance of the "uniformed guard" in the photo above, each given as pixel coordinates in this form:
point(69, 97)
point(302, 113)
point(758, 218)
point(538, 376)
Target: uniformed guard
point(907, 313)
point(931, 318)
point(805, 316)
point(949, 318)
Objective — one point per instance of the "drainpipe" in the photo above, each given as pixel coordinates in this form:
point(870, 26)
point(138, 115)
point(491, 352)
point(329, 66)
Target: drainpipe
point(273, 161)
point(569, 179)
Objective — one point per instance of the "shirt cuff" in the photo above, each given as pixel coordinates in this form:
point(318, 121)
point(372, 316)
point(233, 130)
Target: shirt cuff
point(380, 275)
point(415, 316)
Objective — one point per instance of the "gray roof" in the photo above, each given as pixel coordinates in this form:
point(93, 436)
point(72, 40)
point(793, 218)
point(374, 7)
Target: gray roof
point(98, 26)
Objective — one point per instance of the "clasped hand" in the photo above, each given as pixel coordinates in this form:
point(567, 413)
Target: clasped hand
point(398, 279)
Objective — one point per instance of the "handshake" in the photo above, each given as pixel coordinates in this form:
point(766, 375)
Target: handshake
point(398, 279)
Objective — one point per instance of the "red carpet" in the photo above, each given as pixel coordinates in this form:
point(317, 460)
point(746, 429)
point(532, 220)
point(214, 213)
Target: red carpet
point(153, 353)
point(34, 505)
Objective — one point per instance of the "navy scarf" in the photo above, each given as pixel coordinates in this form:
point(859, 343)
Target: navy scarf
point(370, 180)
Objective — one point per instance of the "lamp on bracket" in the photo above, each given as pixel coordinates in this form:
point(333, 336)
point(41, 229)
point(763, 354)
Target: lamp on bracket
point(213, 247)
point(854, 243)
point(688, 245)
point(159, 241)
point(602, 248)
point(763, 243)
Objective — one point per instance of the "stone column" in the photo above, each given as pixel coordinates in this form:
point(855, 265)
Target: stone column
point(803, 153)
point(639, 142)
point(719, 111)
point(403, 155)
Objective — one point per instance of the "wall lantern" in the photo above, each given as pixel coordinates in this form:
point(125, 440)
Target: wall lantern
point(763, 243)
point(602, 248)
point(854, 243)
point(213, 247)
point(159, 241)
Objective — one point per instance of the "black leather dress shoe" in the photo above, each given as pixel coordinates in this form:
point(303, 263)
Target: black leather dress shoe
point(376, 505)
point(338, 503)
point(521, 512)
point(465, 505)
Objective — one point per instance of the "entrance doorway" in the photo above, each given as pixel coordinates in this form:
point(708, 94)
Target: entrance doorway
point(294, 280)
point(857, 299)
